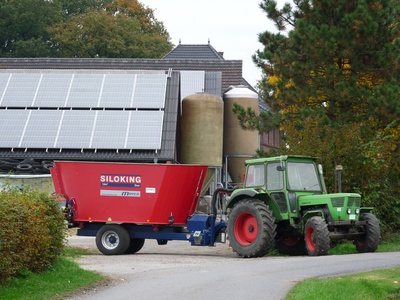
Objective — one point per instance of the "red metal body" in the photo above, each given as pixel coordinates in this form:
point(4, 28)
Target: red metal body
point(129, 193)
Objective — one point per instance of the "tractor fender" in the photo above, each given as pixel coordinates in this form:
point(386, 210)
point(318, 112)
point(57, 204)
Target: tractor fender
point(240, 195)
point(312, 213)
point(366, 210)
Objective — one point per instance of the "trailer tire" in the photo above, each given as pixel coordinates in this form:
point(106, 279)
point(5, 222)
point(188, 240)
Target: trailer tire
point(112, 239)
point(317, 237)
point(251, 228)
point(369, 242)
point(134, 246)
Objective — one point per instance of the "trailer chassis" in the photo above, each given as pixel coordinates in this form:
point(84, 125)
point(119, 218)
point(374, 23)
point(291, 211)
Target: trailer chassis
point(200, 230)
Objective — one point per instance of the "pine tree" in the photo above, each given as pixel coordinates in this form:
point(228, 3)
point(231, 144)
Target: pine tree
point(331, 75)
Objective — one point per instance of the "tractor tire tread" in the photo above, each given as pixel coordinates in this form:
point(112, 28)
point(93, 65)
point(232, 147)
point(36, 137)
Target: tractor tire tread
point(267, 231)
point(322, 239)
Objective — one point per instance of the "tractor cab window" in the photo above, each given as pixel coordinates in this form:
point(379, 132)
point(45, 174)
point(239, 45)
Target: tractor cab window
point(255, 175)
point(274, 176)
point(302, 177)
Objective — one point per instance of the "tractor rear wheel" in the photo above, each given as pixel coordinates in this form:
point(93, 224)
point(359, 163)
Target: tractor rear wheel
point(251, 228)
point(112, 239)
point(370, 241)
point(134, 246)
point(316, 237)
point(291, 245)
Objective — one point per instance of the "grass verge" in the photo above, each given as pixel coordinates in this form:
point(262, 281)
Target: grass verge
point(62, 278)
point(380, 284)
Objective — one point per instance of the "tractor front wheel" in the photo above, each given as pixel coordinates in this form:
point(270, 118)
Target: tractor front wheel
point(251, 228)
point(370, 241)
point(112, 239)
point(316, 236)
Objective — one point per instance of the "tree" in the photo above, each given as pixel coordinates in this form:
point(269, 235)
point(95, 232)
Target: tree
point(333, 82)
point(23, 27)
point(81, 28)
point(75, 7)
point(122, 29)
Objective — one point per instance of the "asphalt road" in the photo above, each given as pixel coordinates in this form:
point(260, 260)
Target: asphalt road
point(180, 271)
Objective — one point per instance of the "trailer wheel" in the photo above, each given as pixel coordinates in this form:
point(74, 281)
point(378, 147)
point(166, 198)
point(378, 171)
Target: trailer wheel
point(317, 237)
point(134, 246)
point(112, 239)
point(370, 241)
point(251, 228)
point(291, 245)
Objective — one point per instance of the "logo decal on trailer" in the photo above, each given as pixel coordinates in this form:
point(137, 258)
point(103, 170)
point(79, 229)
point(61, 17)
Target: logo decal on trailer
point(120, 193)
point(120, 180)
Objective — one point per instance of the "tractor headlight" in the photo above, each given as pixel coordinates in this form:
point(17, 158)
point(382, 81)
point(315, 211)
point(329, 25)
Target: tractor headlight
point(349, 210)
point(357, 211)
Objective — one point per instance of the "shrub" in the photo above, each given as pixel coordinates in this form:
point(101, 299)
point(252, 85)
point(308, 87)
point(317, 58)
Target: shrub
point(32, 231)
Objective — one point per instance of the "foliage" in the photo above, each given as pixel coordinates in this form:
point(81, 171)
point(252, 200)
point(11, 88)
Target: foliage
point(101, 34)
point(332, 80)
point(81, 28)
point(76, 7)
point(23, 27)
point(32, 231)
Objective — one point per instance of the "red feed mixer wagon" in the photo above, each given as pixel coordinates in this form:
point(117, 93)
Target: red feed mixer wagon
point(122, 204)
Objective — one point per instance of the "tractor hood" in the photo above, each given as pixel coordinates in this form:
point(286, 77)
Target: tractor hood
point(332, 200)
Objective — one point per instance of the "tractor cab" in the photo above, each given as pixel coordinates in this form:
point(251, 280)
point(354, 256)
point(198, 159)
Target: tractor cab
point(279, 181)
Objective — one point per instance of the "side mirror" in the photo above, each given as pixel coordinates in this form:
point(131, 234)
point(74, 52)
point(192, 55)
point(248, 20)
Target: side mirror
point(280, 168)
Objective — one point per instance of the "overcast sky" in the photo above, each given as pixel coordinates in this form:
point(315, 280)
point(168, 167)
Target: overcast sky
point(232, 26)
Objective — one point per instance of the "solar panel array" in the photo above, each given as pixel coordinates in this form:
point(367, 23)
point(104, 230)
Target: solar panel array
point(113, 90)
point(78, 110)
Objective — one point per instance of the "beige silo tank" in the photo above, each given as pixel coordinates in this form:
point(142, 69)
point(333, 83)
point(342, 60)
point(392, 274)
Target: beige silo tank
point(239, 144)
point(202, 131)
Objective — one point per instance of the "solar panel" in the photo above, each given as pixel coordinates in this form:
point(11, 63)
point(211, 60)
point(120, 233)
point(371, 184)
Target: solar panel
point(145, 130)
point(85, 90)
point(4, 79)
point(110, 130)
point(41, 129)
point(12, 125)
point(76, 129)
point(149, 91)
point(192, 82)
point(118, 90)
point(21, 89)
point(53, 90)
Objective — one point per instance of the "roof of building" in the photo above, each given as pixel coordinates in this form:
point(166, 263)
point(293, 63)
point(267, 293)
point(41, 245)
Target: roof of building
point(207, 52)
point(194, 52)
point(216, 73)
point(231, 69)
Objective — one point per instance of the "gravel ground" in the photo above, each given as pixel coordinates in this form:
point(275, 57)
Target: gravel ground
point(152, 257)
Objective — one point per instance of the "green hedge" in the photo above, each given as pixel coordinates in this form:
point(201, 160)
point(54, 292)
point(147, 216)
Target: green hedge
point(32, 231)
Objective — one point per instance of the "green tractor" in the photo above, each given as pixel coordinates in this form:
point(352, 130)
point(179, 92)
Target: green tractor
point(284, 203)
